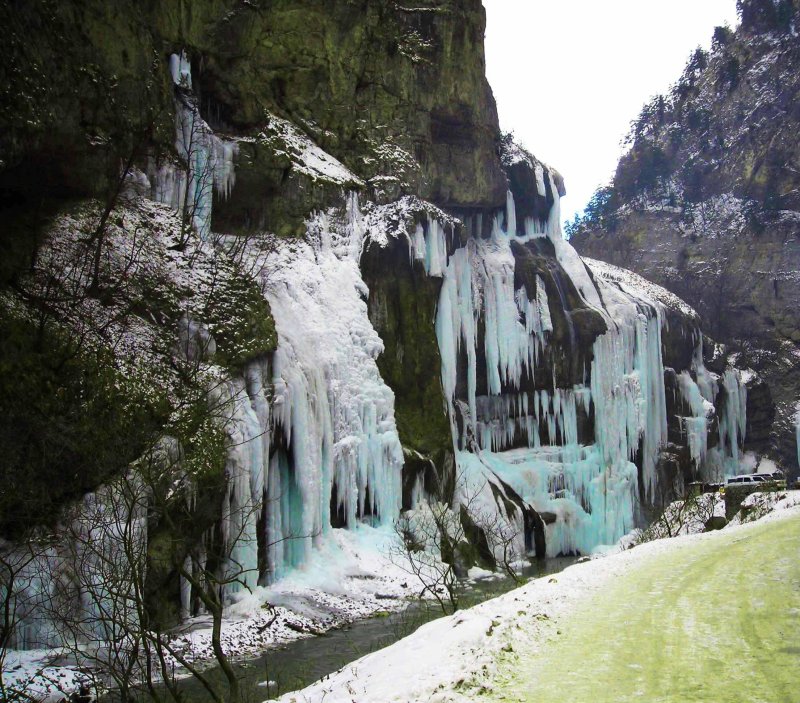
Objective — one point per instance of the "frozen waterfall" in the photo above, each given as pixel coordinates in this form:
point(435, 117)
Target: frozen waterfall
point(710, 396)
point(337, 457)
point(590, 489)
point(206, 161)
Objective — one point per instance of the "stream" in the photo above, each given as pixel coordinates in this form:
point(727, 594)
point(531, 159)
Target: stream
point(299, 663)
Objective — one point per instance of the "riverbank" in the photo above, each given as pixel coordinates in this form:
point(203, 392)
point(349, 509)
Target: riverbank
point(352, 598)
point(297, 664)
point(459, 658)
point(478, 653)
point(349, 578)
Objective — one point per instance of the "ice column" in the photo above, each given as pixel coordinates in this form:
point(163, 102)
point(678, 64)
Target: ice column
point(733, 422)
point(628, 393)
point(207, 162)
point(180, 69)
point(300, 476)
point(695, 426)
point(725, 459)
point(247, 418)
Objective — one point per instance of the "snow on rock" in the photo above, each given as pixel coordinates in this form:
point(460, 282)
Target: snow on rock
point(385, 221)
point(512, 153)
point(633, 284)
point(28, 676)
point(686, 517)
point(285, 139)
point(757, 505)
point(140, 252)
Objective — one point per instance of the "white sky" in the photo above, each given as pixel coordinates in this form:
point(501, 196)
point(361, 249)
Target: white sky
point(570, 75)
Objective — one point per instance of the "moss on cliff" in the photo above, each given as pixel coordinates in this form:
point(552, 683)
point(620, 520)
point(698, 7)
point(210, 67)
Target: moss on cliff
point(402, 308)
point(64, 410)
point(241, 321)
point(389, 90)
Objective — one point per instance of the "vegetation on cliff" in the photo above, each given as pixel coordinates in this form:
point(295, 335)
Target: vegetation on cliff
point(705, 202)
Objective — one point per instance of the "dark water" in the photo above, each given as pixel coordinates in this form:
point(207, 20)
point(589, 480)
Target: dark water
point(302, 662)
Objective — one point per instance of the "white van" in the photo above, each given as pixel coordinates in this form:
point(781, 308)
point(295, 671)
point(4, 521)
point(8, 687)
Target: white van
point(746, 478)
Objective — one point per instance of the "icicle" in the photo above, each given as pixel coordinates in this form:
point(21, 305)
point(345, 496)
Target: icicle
point(186, 590)
point(538, 170)
point(417, 244)
point(511, 215)
point(332, 410)
point(733, 423)
point(245, 465)
point(209, 159)
point(417, 491)
point(436, 250)
point(533, 229)
point(553, 227)
point(797, 433)
point(695, 426)
point(181, 70)
point(706, 382)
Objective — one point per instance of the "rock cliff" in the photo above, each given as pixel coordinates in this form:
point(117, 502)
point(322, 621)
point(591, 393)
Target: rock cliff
point(283, 251)
point(705, 203)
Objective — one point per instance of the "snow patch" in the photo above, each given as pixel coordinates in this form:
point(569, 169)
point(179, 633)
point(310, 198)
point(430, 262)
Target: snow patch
point(307, 158)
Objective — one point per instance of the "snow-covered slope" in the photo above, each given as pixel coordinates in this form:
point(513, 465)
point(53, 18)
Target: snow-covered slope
point(469, 655)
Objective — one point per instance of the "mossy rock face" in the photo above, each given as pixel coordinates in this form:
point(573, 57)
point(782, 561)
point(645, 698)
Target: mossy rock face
point(256, 203)
point(241, 321)
point(84, 84)
point(179, 527)
point(402, 308)
point(677, 340)
point(388, 90)
point(476, 549)
point(63, 410)
point(717, 522)
point(568, 349)
point(760, 415)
